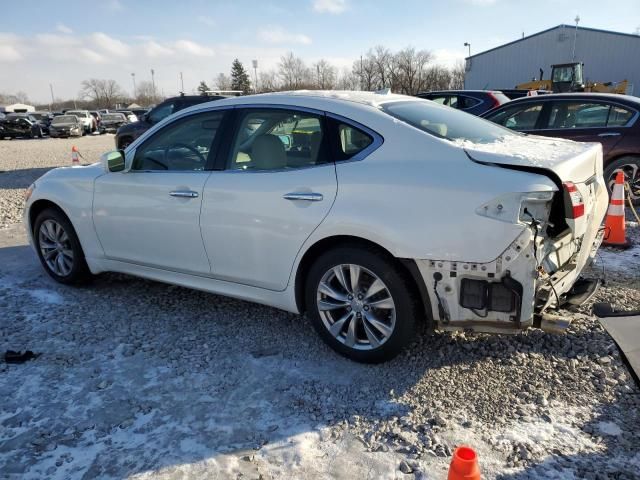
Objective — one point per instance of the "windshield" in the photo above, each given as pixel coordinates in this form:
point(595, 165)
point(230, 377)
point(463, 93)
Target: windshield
point(77, 113)
point(64, 119)
point(446, 122)
point(113, 116)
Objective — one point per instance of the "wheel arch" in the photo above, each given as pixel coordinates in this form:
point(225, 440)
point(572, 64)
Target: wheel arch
point(41, 205)
point(407, 266)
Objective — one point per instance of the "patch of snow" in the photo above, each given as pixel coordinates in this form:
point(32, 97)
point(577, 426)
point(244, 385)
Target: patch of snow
point(609, 428)
point(46, 296)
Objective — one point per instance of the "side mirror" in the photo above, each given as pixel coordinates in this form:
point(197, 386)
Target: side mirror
point(113, 161)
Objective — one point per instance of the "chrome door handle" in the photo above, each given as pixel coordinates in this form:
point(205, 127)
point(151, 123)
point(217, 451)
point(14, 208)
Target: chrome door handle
point(184, 194)
point(309, 197)
point(609, 134)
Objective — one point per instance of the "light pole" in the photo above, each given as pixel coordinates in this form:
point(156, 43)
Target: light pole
point(467, 44)
point(133, 77)
point(575, 37)
point(52, 99)
point(153, 84)
point(181, 84)
point(255, 75)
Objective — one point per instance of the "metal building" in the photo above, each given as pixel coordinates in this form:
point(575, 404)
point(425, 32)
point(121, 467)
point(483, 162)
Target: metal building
point(607, 57)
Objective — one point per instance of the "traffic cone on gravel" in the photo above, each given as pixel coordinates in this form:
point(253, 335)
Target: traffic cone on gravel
point(464, 465)
point(75, 157)
point(614, 226)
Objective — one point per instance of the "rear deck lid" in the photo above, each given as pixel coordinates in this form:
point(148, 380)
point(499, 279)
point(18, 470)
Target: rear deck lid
point(570, 161)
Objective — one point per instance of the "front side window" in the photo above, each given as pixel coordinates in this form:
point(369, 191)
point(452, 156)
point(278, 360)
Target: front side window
point(181, 146)
point(273, 139)
point(161, 112)
point(518, 117)
point(445, 122)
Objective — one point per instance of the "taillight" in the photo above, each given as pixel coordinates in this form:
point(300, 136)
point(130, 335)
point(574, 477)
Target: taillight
point(494, 99)
point(574, 205)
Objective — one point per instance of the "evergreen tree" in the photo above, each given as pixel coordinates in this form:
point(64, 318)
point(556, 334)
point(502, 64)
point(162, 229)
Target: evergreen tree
point(239, 77)
point(203, 88)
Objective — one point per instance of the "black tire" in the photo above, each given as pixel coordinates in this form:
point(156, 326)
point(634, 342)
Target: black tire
point(398, 284)
point(629, 165)
point(79, 272)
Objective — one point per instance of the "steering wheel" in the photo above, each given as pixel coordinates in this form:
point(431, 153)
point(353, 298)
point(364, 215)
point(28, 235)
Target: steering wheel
point(188, 147)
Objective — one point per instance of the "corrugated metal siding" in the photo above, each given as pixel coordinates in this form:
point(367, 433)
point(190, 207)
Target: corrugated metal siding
point(607, 57)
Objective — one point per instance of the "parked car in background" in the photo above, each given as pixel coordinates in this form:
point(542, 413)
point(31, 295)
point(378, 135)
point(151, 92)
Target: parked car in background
point(44, 118)
point(89, 123)
point(128, 133)
point(609, 119)
point(514, 93)
point(131, 117)
point(20, 125)
point(97, 117)
point(112, 121)
point(66, 126)
point(139, 112)
point(240, 197)
point(474, 102)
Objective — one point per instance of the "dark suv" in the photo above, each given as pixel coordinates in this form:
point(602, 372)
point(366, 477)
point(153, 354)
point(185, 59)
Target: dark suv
point(609, 119)
point(128, 133)
point(475, 102)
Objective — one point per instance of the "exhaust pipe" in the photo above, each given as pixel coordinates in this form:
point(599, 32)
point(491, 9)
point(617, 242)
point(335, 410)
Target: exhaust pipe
point(553, 323)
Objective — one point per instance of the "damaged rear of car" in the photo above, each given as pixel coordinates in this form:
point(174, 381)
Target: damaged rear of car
point(558, 218)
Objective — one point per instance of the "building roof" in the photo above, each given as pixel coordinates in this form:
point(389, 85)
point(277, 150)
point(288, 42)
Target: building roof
point(562, 25)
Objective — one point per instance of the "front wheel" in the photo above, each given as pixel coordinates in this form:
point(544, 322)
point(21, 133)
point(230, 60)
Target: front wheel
point(631, 169)
point(58, 248)
point(361, 304)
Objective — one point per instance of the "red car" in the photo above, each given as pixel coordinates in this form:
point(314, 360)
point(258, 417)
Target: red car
point(609, 119)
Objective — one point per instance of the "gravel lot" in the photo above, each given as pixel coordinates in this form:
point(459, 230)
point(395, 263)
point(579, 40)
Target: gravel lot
point(144, 380)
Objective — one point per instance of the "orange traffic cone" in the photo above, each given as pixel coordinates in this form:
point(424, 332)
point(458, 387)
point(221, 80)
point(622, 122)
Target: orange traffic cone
point(464, 465)
point(614, 226)
point(75, 160)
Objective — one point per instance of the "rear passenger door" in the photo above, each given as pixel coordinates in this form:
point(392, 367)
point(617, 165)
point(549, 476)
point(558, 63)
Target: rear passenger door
point(274, 185)
point(587, 121)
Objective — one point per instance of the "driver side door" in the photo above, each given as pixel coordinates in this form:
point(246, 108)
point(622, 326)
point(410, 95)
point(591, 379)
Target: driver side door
point(150, 214)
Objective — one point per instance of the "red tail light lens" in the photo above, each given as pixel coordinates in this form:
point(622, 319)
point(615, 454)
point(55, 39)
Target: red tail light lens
point(574, 204)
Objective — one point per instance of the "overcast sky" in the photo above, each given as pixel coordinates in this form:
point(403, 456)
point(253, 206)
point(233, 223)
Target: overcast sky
point(65, 41)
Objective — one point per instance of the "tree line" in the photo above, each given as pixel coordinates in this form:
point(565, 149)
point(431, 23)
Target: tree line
point(406, 71)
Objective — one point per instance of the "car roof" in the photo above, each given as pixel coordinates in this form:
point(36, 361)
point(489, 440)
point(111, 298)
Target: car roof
point(616, 97)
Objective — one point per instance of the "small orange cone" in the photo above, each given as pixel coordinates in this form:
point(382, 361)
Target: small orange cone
point(464, 465)
point(614, 226)
point(75, 160)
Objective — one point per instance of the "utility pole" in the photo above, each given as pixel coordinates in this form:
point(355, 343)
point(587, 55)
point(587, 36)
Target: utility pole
point(318, 72)
point(53, 101)
point(181, 83)
point(153, 84)
point(255, 75)
point(133, 77)
point(575, 38)
point(361, 74)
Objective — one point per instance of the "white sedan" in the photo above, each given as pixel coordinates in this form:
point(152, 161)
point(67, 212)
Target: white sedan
point(370, 212)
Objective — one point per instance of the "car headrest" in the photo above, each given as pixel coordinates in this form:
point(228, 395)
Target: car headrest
point(267, 152)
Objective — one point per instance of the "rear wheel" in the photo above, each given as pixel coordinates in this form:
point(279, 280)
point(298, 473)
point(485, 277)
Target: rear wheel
point(58, 248)
point(361, 304)
point(631, 168)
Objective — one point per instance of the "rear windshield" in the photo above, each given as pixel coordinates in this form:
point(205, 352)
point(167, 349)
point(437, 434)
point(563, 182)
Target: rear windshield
point(65, 119)
point(446, 122)
point(113, 116)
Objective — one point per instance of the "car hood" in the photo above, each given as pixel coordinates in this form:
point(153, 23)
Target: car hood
point(568, 160)
point(63, 125)
point(71, 173)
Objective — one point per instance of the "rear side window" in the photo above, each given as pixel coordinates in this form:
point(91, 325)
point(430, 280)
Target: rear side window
point(518, 117)
point(465, 103)
point(578, 115)
point(161, 111)
point(351, 141)
point(445, 122)
point(619, 116)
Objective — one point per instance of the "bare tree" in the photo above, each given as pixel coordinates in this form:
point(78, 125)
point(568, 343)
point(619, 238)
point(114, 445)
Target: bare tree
point(325, 74)
point(365, 69)
point(268, 81)
point(382, 60)
point(292, 71)
point(18, 97)
point(102, 93)
point(410, 67)
point(222, 82)
point(457, 76)
point(145, 94)
point(348, 80)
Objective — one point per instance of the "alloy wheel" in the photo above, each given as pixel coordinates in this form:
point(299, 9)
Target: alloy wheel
point(55, 247)
point(631, 176)
point(356, 307)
